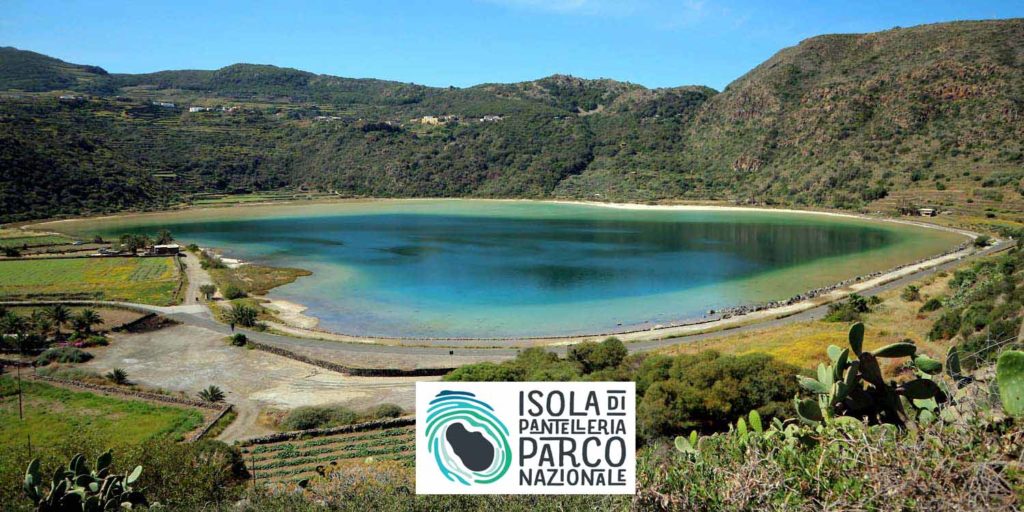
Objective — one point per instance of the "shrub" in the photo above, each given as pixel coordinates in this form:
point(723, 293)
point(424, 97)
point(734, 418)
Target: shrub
point(708, 391)
point(308, 417)
point(932, 304)
point(591, 356)
point(117, 376)
point(911, 293)
point(63, 355)
point(239, 340)
point(232, 292)
point(212, 394)
point(842, 312)
point(946, 326)
point(982, 241)
point(486, 372)
point(387, 411)
point(849, 310)
point(95, 340)
point(243, 315)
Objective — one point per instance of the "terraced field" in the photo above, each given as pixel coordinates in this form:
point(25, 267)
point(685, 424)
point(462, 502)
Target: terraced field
point(144, 280)
point(34, 241)
point(294, 460)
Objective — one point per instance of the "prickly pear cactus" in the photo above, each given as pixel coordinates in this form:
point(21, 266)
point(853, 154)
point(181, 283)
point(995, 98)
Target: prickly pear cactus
point(1010, 379)
point(853, 386)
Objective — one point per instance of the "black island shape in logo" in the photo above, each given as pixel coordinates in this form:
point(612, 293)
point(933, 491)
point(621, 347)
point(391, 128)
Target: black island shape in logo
point(475, 451)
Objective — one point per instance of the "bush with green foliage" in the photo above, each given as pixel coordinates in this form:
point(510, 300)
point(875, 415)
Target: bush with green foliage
point(243, 315)
point(117, 376)
point(239, 339)
point(309, 417)
point(387, 411)
point(932, 304)
point(911, 293)
point(591, 356)
point(232, 292)
point(708, 391)
point(849, 310)
point(63, 355)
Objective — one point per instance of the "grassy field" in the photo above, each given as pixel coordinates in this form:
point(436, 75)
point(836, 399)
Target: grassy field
point(33, 241)
point(144, 280)
point(804, 343)
point(53, 413)
point(294, 460)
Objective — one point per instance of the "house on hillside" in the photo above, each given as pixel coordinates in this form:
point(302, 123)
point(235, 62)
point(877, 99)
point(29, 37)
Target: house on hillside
point(927, 212)
point(438, 120)
point(164, 104)
point(490, 119)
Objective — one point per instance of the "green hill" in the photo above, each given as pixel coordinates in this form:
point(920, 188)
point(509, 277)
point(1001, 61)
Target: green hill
point(932, 115)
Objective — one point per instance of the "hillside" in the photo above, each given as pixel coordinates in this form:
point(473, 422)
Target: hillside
point(926, 115)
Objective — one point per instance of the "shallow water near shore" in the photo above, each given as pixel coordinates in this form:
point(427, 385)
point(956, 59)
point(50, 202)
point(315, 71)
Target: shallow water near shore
point(466, 268)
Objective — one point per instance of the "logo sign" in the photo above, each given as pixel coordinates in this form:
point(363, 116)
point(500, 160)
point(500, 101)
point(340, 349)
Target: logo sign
point(525, 438)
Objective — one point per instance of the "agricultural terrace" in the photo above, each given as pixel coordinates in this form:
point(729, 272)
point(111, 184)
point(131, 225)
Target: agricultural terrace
point(298, 459)
point(54, 414)
point(34, 241)
point(142, 280)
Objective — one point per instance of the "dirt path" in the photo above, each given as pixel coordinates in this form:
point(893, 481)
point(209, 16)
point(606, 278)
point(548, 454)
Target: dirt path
point(196, 278)
point(189, 358)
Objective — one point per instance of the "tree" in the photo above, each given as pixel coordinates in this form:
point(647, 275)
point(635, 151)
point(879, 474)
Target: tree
point(40, 323)
point(133, 243)
point(12, 325)
point(212, 394)
point(85, 319)
point(243, 315)
point(164, 237)
point(207, 290)
point(59, 314)
point(597, 356)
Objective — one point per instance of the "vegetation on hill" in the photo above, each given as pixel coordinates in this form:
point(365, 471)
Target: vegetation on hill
point(928, 114)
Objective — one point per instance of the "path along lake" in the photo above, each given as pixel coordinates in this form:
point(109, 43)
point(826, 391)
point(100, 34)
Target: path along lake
point(468, 268)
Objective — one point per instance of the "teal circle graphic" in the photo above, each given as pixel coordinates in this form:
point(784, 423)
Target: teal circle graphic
point(459, 409)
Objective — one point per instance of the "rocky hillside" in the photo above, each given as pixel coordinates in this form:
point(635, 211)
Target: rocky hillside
point(926, 115)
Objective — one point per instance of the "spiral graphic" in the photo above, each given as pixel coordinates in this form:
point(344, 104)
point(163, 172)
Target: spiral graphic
point(469, 443)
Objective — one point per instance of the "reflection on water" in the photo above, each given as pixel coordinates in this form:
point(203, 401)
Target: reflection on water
point(428, 274)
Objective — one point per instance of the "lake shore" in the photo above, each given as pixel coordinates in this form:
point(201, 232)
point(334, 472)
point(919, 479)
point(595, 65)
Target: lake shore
point(293, 320)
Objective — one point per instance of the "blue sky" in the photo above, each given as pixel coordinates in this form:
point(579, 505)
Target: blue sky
point(460, 42)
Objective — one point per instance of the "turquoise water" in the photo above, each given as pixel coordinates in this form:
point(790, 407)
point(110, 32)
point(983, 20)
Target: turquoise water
point(500, 269)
